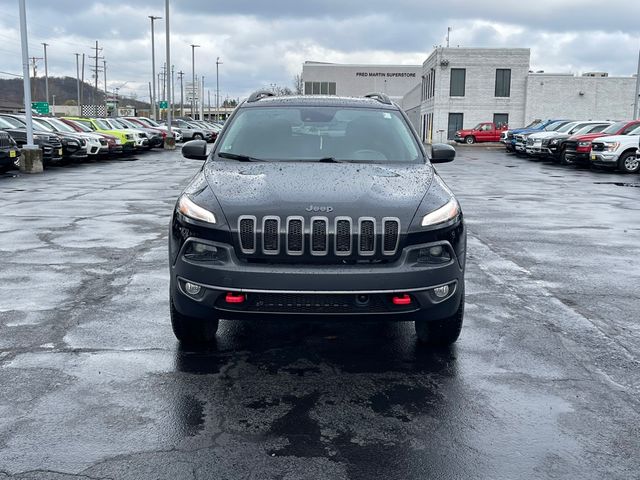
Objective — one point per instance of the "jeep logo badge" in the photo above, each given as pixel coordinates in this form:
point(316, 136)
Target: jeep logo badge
point(316, 208)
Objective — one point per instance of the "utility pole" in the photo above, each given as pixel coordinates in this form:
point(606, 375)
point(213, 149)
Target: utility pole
point(150, 98)
point(218, 63)
point(164, 83)
point(194, 85)
point(104, 66)
point(169, 143)
point(208, 104)
point(172, 93)
point(46, 73)
point(34, 64)
point(180, 75)
point(202, 99)
point(96, 71)
point(448, 35)
point(82, 82)
point(635, 104)
point(78, 81)
point(153, 68)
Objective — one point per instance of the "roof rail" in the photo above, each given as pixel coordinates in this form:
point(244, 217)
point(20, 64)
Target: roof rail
point(381, 97)
point(259, 95)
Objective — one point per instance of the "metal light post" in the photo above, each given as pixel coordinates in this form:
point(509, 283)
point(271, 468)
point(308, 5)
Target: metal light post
point(78, 82)
point(218, 62)
point(202, 99)
point(635, 104)
point(194, 85)
point(53, 109)
point(169, 141)
point(25, 73)
point(153, 67)
point(46, 73)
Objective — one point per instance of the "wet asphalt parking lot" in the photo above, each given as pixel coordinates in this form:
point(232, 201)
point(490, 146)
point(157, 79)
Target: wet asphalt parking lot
point(543, 383)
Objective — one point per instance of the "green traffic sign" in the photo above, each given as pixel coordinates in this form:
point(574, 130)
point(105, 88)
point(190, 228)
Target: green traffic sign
point(163, 104)
point(41, 107)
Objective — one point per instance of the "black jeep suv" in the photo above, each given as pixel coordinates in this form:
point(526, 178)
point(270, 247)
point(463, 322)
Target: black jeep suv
point(317, 206)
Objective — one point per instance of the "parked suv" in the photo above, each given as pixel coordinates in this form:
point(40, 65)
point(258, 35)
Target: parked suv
point(322, 207)
point(49, 144)
point(9, 152)
point(191, 131)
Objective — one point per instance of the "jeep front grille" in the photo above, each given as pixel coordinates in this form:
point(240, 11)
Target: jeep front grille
point(272, 235)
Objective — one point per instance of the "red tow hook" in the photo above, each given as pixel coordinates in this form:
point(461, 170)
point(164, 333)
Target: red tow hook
point(235, 297)
point(401, 299)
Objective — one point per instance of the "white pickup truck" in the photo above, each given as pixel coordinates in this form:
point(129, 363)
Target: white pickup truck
point(619, 151)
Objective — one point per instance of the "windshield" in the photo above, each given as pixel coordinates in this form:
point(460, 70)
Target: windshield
point(59, 125)
point(116, 124)
point(38, 125)
point(614, 128)
point(579, 127)
point(552, 127)
point(147, 121)
point(314, 133)
point(534, 124)
point(634, 132)
point(103, 124)
point(127, 123)
point(81, 125)
point(565, 128)
point(13, 122)
point(5, 124)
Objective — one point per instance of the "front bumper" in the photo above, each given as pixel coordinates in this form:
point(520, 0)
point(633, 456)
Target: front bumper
point(313, 283)
point(535, 150)
point(604, 159)
point(578, 157)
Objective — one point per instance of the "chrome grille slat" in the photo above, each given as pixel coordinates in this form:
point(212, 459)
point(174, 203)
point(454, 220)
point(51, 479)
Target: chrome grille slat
point(343, 236)
point(271, 235)
point(366, 236)
point(319, 236)
point(295, 235)
point(390, 235)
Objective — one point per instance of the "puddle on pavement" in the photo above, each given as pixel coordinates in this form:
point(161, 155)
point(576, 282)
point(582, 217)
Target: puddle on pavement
point(619, 184)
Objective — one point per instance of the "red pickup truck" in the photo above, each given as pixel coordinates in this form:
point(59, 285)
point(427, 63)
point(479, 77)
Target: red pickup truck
point(578, 147)
point(483, 132)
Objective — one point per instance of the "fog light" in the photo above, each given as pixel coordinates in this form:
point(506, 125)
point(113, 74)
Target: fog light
point(201, 252)
point(441, 292)
point(434, 255)
point(192, 288)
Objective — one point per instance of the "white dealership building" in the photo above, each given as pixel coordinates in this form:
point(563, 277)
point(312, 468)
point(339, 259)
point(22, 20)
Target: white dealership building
point(459, 87)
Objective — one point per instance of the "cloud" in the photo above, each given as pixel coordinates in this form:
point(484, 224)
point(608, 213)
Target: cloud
point(266, 42)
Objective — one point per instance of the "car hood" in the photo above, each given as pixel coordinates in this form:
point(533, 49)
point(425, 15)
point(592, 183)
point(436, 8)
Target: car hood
point(630, 139)
point(308, 189)
point(543, 135)
point(588, 136)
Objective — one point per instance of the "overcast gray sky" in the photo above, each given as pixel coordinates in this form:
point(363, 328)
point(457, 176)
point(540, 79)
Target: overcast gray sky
point(264, 42)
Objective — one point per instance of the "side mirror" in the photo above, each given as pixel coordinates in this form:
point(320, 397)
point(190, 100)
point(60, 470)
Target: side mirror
point(442, 153)
point(195, 149)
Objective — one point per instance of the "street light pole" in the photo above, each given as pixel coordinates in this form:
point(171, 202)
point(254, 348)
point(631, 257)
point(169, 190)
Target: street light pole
point(218, 62)
point(78, 82)
point(169, 141)
point(635, 104)
point(194, 86)
point(202, 99)
point(153, 68)
point(46, 73)
point(25, 73)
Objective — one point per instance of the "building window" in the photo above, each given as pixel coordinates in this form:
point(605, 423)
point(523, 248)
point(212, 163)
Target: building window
point(500, 119)
point(503, 82)
point(458, 77)
point(319, 88)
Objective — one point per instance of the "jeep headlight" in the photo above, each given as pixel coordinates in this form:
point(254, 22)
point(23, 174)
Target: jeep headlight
point(189, 209)
point(553, 142)
point(611, 146)
point(448, 211)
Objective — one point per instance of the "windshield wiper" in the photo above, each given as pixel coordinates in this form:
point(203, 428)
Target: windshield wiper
point(240, 158)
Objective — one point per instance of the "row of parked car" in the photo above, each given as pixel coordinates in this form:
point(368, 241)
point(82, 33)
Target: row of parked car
point(602, 144)
point(72, 139)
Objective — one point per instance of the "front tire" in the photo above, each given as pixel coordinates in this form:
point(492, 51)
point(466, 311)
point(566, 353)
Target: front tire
point(564, 160)
point(469, 140)
point(198, 136)
point(629, 163)
point(441, 333)
point(190, 330)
